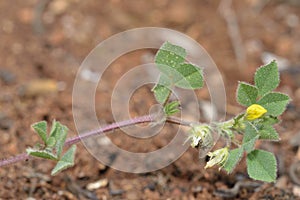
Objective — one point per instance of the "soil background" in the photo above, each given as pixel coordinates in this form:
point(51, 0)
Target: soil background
point(48, 40)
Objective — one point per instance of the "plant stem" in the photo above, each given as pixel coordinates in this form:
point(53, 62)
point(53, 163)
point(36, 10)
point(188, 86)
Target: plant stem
point(15, 159)
point(178, 121)
point(110, 127)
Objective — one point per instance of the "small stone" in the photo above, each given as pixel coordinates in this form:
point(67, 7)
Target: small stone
point(282, 182)
point(5, 122)
point(38, 87)
point(98, 184)
point(197, 189)
point(7, 76)
point(58, 6)
point(296, 190)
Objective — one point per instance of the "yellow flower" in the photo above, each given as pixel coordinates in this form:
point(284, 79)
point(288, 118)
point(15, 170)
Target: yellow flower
point(218, 157)
point(255, 111)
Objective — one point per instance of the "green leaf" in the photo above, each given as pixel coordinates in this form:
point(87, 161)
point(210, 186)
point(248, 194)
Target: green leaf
point(53, 128)
point(172, 108)
point(269, 120)
point(190, 76)
point(65, 162)
point(246, 94)
point(268, 133)
point(41, 153)
point(275, 103)
point(234, 157)
point(41, 129)
point(170, 55)
point(250, 137)
point(51, 142)
point(59, 132)
point(161, 89)
point(174, 72)
point(267, 78)
point(261, 165)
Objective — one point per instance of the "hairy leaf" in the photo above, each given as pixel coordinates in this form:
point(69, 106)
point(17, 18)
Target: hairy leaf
point(41, 129)
point(261, 165)
point(65, 162)
point(246, 94)
point(234, 157)
point(275, 103)
point(267, 78)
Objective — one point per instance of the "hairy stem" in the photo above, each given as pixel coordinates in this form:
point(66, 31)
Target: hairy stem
point(108, 128)
point(175, 120)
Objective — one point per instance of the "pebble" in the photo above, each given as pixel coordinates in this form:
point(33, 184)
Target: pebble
point(98, 184)
point(39, 87)
point(5, 122)
point(282, 182)
point(197, 189)
point(58, 6)
point(7, 76)
point(296, 190)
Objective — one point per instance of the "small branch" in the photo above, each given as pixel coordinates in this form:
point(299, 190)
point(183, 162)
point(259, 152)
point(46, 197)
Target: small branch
point(108, 128)
point(175, 120)
point(15, 159)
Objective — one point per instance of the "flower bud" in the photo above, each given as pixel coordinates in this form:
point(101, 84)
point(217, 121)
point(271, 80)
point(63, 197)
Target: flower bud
point(255, 111)
point(218, 157)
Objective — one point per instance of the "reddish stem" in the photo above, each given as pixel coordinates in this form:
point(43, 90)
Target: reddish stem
point(110, 127)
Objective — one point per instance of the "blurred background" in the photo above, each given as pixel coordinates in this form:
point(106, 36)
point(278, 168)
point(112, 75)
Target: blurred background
point(42, 44)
